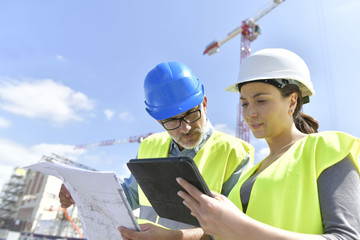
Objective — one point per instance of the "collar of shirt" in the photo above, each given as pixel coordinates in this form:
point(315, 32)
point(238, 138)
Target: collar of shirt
point(174, 149)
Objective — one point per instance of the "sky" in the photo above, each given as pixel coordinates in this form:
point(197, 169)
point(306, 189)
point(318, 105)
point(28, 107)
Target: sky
point(71, 72)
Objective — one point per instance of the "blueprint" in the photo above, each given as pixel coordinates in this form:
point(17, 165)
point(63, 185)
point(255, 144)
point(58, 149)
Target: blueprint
point(101, 202)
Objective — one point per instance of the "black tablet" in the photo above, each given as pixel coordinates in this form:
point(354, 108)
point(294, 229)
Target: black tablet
point(157, 179)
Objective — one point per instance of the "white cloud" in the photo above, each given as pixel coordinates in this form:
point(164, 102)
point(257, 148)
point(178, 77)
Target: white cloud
point(123, 116)
point(44, 99)
point(60, 58)
point(125, 172)
point(261, 149)
point(4, 123)
point(126, 116)
point(262, 153)
point(348, 7)
point(17, 155)
point(348, 11)
point(109, 114)
point(225, 129)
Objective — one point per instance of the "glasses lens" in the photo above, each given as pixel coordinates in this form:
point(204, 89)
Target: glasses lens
point(172, 124)
point(188, 118)
point(193, 116)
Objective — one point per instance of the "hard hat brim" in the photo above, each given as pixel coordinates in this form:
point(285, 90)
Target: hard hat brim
point(305, 91)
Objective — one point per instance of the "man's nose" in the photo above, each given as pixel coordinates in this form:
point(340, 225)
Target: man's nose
point(184, 127)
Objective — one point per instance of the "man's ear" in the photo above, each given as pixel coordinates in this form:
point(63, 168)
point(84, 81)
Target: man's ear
point(204, 103)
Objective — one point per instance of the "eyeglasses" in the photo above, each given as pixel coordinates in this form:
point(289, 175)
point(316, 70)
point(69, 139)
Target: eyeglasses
point(174, 123)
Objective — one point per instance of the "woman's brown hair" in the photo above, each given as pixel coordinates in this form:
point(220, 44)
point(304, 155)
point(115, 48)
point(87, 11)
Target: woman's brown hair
point(303, 122)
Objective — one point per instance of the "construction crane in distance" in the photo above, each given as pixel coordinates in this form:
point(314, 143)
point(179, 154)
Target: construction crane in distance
point(249, 30)
point(111, 142)
point(64, 160)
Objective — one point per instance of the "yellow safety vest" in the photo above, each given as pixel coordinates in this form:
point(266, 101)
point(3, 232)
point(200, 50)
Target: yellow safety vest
point(285, 194)
point(216, 160)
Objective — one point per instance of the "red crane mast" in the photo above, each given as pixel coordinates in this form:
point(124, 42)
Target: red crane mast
point(249, 30)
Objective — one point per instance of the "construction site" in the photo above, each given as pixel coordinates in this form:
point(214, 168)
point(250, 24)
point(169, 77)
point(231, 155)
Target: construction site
point(30, 208)
point(29, 203)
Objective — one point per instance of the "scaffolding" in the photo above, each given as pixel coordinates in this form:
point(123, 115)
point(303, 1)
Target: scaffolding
point(29, 205)
point(9, 197)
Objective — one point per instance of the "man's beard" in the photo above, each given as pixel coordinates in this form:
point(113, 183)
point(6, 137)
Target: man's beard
point(190, 145)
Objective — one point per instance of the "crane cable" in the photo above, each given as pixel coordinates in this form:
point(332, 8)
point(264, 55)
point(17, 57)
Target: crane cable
point(326, 59)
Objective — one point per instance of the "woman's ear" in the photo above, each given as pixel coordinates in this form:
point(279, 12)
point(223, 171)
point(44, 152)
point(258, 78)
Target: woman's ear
point(293, 102)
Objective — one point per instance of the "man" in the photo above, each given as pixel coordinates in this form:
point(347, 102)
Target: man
point(175, 98)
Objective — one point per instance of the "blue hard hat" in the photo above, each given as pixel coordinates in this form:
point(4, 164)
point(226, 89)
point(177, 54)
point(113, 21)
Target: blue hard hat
point(171, 88)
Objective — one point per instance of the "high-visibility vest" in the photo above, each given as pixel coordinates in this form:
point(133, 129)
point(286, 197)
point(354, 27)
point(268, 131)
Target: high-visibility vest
point(216, 160)
point(285, 194)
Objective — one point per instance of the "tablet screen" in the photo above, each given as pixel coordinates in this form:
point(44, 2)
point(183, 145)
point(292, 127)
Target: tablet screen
point(157, 179)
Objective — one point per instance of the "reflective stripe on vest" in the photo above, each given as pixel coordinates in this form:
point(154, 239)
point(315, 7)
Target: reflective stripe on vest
point(216, 160)
point(285, 194)
point(148, 214)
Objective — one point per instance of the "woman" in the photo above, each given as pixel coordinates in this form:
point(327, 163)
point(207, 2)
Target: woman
point(308, 187)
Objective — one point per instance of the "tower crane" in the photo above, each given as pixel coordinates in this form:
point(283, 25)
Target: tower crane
point(64, 160)
point(249, 30)
point(111, 142)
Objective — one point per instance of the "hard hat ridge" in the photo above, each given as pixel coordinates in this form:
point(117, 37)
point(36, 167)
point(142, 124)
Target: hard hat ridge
point(171, 88)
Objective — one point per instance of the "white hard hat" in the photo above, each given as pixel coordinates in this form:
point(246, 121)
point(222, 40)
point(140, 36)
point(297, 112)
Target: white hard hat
point(275, 63)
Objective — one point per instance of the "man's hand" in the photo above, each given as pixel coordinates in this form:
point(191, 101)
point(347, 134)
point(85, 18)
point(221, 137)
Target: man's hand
point(65, 197)
point(149, 232)
point(153, 232)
